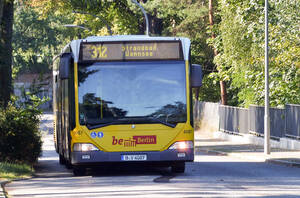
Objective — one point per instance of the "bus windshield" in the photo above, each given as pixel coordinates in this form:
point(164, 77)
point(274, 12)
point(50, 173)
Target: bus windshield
point(132, 92)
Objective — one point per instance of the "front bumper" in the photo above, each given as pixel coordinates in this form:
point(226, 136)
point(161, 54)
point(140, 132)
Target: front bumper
point(94, 157)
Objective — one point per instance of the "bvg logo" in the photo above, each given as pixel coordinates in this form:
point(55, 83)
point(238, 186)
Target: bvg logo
point(132, 142)
point(127, 143)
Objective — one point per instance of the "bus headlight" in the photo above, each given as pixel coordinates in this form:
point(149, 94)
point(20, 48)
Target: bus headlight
point(182, 145)
point(84, 147)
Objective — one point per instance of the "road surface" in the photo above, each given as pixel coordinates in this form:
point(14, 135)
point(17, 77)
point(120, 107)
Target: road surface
point(209, 176)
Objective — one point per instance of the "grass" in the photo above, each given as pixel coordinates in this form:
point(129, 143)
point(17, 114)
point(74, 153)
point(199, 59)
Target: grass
point(15, 171)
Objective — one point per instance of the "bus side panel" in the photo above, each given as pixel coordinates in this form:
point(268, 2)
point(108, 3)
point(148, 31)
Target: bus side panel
point(63, 113)
point(55, 116)
point(60, 121)
point(66, 119)
point(63, 120)
point(68, 113)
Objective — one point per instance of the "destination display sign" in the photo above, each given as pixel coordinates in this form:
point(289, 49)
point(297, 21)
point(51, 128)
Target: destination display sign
point(122, 51)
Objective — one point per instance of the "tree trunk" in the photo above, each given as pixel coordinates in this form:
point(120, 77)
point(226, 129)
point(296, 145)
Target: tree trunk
point(1, 10)
point(223, 92)
point(213, 36)
point(6, 27)
point(156, 24)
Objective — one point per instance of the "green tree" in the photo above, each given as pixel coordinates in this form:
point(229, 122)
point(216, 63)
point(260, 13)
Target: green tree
point(37, 40)
point(190, 19)
point(211, 16)
point(167, 18)
point(117, 13)
point(240, 43)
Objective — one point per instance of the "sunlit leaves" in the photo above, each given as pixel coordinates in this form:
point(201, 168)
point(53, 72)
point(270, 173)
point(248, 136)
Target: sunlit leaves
point(239, 41)
point(115, 13)
point(189, 19)
point(241, 58)
point(36, 40)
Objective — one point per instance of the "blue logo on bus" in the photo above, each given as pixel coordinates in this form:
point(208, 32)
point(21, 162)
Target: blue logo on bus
point(100, 134)
point(93, 134)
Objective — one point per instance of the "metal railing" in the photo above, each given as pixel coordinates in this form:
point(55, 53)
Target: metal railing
point(284, 122)
point(277, 121)
point(292, 121)
point(233, 119)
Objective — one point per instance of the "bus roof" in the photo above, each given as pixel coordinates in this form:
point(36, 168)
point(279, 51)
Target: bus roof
point(75, 44)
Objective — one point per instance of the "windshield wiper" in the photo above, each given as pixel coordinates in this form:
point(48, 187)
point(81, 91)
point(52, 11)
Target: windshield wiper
point(93, 125)
point(161, 122)
point(129, 120)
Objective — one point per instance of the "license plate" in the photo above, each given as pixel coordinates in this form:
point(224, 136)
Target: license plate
point(134, 157)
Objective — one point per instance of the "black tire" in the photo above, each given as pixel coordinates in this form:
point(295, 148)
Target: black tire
point(79, 171)
point(179, 167)
point(62, 159)
point(68, 165)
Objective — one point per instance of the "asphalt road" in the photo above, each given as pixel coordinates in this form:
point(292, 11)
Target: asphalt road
point(208, 176)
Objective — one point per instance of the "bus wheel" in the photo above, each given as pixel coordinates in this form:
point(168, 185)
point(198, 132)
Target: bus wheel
point(62, 160)
point(68, 164)
point(79, 171)
point(178, 167)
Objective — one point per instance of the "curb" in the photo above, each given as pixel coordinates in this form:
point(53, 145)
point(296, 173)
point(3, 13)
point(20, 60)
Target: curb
point(272, 161)
point(3, 193)
point(283, 162)
point(214, 152)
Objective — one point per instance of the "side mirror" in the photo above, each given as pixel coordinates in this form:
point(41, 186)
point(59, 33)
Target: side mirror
point(64, 66)
point(196, 76)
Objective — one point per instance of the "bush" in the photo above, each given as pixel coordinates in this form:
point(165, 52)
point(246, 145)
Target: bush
point(20, 138)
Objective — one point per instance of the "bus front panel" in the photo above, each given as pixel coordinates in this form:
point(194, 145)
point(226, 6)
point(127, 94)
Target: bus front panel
point(137, 109)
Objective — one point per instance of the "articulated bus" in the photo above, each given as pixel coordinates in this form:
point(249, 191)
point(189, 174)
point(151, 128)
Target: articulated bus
point(125, 99)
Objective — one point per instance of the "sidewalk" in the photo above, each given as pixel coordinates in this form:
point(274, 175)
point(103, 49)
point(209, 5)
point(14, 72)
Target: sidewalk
point(206, 142)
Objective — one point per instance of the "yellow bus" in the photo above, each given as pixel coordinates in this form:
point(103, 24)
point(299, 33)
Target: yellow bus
point(125, 99)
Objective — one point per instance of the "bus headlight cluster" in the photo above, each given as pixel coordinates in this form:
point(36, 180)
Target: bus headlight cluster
point(182, 145)
point(84, 147)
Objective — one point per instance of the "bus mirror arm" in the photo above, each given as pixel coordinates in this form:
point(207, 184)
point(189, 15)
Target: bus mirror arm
point(196, 76)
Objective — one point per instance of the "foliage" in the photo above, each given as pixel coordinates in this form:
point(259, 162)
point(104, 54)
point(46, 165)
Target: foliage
point(37, 40)
point(14, 171)
point(179, 18)
point(189, 19)
point(240, 43)
point(19, 132)
point(39, 32)
point(239, 30)
point(117, 14)
point(209, 90)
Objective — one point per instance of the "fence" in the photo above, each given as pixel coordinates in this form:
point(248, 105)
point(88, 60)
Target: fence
point(284, 122)
point(292, 121)
point(277, 121)
point(233, 119)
